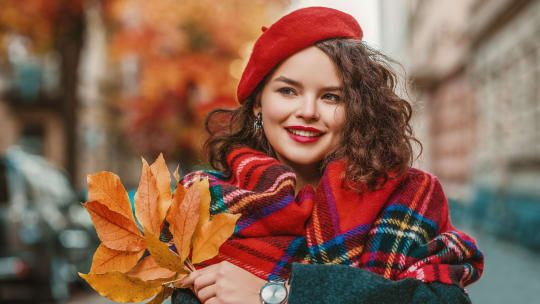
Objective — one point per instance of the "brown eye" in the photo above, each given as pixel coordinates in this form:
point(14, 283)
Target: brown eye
point(287, 91)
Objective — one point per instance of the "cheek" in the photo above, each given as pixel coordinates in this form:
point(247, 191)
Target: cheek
point(275, 113)
point(337, 119)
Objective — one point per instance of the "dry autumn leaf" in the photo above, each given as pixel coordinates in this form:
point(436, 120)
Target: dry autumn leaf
point(176, 175)
point(117, 271)
point(163, 181)
point(163, 256)
point(106, 188)
point(179, 194)
point(148, 269)
point(122, 288)
point(212, 235)
point(183, 217)
point(115, 231)
point(204, 209)
point(107, 260)
point(146, 200)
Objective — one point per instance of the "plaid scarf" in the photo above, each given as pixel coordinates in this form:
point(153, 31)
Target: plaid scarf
point(400, 231)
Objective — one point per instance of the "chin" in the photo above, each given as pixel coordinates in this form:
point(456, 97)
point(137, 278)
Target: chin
point(300, 159)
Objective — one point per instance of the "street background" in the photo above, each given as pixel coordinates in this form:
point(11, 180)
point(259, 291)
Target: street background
point(93, 85)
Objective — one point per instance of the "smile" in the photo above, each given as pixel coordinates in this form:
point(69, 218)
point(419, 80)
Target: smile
point(304, 134)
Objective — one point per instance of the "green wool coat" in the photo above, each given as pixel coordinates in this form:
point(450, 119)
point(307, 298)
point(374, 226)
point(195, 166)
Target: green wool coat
point(336, 284)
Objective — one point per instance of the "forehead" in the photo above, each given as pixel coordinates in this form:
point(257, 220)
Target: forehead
point(311, 66)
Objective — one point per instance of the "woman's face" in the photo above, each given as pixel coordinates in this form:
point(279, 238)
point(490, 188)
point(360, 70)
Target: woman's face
point(303, 109)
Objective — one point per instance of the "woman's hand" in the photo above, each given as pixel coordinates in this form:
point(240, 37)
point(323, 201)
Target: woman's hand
point(225, 283)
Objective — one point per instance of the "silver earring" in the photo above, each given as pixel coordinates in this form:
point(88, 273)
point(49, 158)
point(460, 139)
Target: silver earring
point(258, 123)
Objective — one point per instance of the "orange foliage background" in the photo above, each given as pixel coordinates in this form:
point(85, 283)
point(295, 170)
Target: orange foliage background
point(172, 61)
point(187, 57)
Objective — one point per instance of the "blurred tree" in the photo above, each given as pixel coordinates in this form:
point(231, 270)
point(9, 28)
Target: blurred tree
point(177, 60)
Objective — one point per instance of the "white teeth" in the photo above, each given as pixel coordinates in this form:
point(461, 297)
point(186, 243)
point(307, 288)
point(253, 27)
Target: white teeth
point(304, 133)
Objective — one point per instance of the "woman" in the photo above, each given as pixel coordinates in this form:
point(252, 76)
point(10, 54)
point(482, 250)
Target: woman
point(317, 160)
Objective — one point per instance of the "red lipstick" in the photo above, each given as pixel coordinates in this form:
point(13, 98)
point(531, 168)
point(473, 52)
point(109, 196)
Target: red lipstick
point(311, 129)
point(304, 139)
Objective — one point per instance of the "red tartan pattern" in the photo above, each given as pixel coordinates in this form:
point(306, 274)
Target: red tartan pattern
point(399, 231)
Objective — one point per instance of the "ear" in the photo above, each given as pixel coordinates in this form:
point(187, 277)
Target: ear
point(257, 108)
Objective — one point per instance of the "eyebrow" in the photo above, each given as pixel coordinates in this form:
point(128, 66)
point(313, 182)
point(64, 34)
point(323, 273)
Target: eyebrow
point(298, 84)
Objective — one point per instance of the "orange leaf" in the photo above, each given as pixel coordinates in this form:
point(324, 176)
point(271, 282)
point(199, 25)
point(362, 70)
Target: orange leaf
point(163, 179)
point(162, 295)
point(176, 175)
point(180, 191)
point(179, 194)
point(115, 231)
point(106, 188)
point(146, 200)
point(183, 217)
point(107, 260)
point(122, 288)
point(161, 253)
point(204, 209)
point(212, 235)
point(148, 269)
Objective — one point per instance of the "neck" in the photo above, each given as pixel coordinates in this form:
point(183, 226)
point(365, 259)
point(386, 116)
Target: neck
point(305, 174)
point(302, 181)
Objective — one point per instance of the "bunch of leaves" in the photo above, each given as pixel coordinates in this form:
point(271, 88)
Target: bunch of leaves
point(132, 264)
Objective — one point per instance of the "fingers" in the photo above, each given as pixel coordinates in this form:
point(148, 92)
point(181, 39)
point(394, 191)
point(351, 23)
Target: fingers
point(203, 280)
point(211, 268)
point(212, 301)
point(189, 280)
point(207, 293)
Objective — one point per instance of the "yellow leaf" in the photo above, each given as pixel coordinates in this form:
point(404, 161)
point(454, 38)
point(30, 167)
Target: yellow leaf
point(161, 253)
point(106, 188)
point(122, 288)
point(204, 209)
point(107, 260)
point(148, 269)
point(146, 200)
point(179, 194)
point(183, 217)
point(176, 175)
point(162, 295)
point(163, 179)
point(212, 235)
point(115, 231)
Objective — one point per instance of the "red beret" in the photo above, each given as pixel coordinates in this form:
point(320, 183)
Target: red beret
point(290, 34)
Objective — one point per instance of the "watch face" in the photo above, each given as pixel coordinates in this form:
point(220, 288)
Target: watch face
point(273, 293)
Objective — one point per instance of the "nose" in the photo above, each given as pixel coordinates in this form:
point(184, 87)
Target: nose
point(307, 108)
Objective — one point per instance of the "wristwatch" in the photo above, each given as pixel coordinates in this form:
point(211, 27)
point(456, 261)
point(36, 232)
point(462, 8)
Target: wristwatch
point(273, 292)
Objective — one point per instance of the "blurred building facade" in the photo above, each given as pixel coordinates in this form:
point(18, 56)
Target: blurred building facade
point(38, 81)
point(33, 120)
point(100, 142)
point(475, 69)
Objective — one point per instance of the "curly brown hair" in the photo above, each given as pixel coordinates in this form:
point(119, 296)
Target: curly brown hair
point(379, 135)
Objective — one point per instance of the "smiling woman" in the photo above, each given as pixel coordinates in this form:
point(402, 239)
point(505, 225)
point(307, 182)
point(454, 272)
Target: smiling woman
point(317, 159)
point(303, 112)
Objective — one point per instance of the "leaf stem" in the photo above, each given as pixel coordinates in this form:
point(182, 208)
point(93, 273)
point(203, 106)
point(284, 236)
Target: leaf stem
point(190, 266)
point(167, 283)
